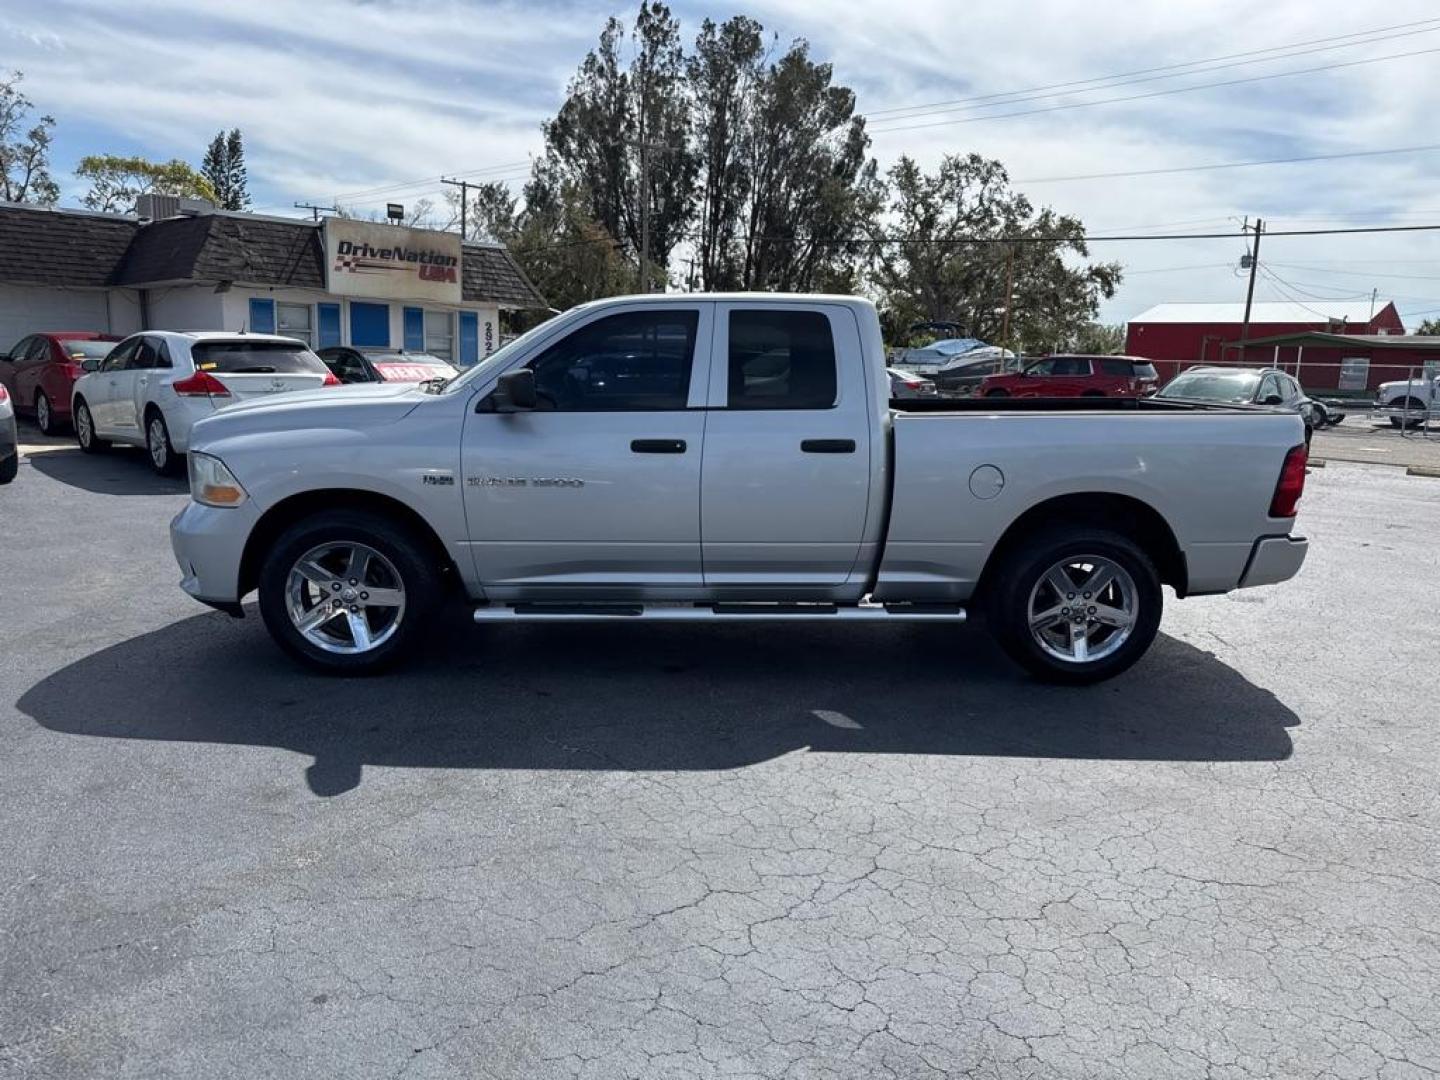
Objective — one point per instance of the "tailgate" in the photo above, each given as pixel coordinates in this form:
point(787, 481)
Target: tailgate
point(243, 385)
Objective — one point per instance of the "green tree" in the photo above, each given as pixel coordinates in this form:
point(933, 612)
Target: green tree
point(1429, 328)
point(621, 139)
point(117, 181)
point(1097, 339)
point(24, 151)
point(491, 211)
point(936, 257)
point(224, 168)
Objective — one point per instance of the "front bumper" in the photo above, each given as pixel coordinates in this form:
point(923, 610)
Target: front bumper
point(209, 543)
point(1274, 559)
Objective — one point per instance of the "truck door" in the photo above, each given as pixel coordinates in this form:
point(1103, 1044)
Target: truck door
point(598, 489)
point(785, 483)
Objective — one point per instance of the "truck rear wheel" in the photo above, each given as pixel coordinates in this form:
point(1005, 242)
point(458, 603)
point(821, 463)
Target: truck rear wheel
point(348, 592)
point(1075, 605)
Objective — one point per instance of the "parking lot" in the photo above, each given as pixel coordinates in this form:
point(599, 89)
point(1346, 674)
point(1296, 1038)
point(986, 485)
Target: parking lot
point(822, 852)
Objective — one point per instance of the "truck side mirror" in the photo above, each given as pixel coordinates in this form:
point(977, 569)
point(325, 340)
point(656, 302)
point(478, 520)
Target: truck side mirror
point(515, 392)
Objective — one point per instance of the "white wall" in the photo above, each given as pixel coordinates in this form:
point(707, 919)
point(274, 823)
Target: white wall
point(237, 312)
point(28, 309)
point(186, 307)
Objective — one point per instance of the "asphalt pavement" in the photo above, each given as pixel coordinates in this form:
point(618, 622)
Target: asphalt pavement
point(714, 851)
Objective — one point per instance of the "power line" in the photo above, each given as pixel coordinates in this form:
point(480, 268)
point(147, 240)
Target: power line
point(1424, 149)
point(1020, 97)
point(1159, 93)
point(937, 105)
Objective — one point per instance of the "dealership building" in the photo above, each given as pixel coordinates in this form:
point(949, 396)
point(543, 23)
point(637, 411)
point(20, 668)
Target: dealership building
point(182, 265)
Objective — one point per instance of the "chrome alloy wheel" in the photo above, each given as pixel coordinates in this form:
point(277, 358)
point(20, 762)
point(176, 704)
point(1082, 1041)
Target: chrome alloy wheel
point(157, 444)
point(84, 432)
point(345, 597)
point(42, 413)
point(1083, 609)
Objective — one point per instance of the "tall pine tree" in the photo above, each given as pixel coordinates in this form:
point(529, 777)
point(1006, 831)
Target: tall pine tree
point(224, 167)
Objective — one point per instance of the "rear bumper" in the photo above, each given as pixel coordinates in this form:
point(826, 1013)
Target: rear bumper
point(209, 543)
point(1274, 559)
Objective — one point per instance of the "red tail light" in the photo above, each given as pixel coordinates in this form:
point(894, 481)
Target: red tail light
point(4, 394)
point(330, 379)
point(201, 384)
point(1291, 484)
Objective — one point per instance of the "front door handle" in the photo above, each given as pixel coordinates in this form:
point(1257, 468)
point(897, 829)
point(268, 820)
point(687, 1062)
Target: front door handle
point(828, 446)
point(657, 446)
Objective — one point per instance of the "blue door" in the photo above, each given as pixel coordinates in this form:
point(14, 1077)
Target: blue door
point(469, 338)
point(328, 320)
point(369, 325)
point(262, 316)
point(414, 329)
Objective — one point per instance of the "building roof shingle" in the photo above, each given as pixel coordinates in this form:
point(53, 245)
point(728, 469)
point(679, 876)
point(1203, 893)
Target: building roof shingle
point(1355, 312)
point(69, 248)
point(63, 248)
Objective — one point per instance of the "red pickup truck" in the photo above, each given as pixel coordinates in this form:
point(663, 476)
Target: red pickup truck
point(1076, 376)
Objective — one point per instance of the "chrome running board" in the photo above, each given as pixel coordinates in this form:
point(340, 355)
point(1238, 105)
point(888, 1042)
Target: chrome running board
point(718, 612)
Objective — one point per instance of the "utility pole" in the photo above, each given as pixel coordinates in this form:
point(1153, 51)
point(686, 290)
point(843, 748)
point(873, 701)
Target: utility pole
point(464, 186)
point(646, 148)
point(1250, 292)
point(315, 210)
point(1009, 295)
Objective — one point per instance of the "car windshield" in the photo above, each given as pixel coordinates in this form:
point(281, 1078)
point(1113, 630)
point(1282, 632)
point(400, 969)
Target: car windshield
point(78, 349)
point(242, 357)
point(1231, 387)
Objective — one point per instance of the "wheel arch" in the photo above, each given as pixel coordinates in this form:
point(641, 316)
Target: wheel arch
point(307, 503)
point(1099, 509)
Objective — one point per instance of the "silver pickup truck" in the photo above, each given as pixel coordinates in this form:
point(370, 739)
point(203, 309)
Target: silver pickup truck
point(716, 458)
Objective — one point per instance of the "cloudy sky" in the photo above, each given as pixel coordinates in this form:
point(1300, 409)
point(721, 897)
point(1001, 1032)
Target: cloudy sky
point(351, 99)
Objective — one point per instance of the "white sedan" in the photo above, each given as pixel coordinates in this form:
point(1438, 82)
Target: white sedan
point(153, 385)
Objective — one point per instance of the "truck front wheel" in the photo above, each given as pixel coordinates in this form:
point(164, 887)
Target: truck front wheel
point(348, 592)
point(1075, 605)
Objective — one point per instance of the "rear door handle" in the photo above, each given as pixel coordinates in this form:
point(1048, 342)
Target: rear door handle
point(828, 446)
point(657, 446)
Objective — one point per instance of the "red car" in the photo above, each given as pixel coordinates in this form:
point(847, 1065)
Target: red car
point(40, 370)
point(1076, 376)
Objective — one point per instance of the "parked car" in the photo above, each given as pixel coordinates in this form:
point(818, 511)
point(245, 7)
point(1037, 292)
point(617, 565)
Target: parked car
point(40, 373)
point(153, 386)
point(1246, 386)
point(554, 490)
point(9, 439)
point(351, 365)
point(1076, 376)
point(1409, 402)
point(905, 385)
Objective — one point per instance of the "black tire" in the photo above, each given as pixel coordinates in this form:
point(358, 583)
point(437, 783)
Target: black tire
point(158, 449)
point(412, 559)
point(1309, 434)
point(10, 467)
point(1013, 580)
point(45, 415)
point(85, 429)
point(997, 393)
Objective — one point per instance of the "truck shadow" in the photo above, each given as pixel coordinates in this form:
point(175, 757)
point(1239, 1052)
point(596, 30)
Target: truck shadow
point(650, 698)
point(122, 471)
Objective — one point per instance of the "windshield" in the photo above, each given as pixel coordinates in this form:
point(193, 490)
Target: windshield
point(1230, 387)
point(260, 357)
point(499, 358)
point(86, 350)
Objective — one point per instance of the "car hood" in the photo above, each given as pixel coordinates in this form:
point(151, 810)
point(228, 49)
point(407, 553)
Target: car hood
point(362, 405)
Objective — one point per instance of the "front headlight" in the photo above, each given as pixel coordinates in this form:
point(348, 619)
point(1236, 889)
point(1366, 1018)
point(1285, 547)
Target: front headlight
point(212, 484)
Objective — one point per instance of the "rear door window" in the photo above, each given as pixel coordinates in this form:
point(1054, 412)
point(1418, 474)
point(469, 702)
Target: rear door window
point(781, 360)
point(1070, 366)
point(241, 357)
point(1122, 368)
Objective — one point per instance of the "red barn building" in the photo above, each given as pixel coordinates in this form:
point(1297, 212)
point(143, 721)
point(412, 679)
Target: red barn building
point(1176, 336)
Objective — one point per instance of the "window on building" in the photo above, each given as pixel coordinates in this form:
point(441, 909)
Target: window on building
point(440, 334)
point(781, 360)
point(1354, 373)
point(294, 320)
